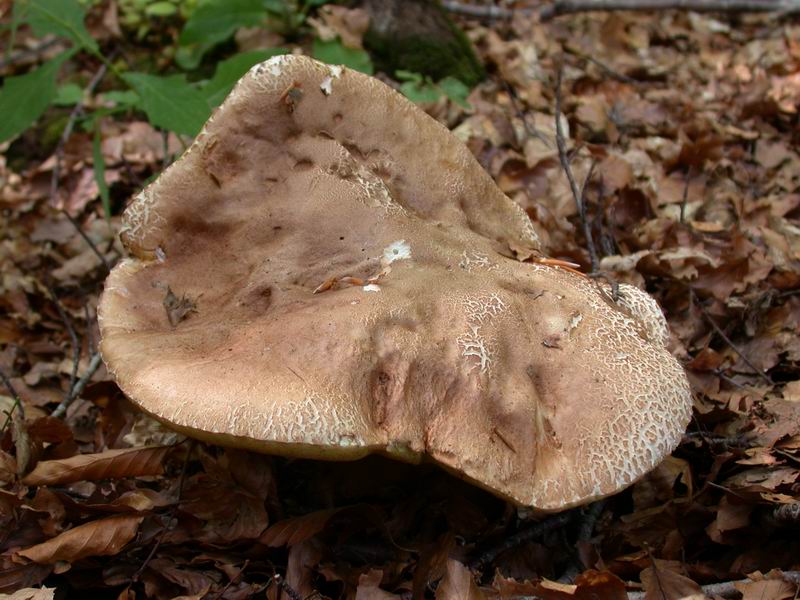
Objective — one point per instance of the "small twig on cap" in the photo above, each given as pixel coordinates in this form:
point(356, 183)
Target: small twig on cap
point(521, 537)
point(576, 194)
point(767, 379)
point(79, 386)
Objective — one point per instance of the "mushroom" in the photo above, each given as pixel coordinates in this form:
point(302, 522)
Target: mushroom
point(328, 273)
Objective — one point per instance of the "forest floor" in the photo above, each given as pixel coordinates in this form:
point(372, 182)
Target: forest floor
point(684, 128)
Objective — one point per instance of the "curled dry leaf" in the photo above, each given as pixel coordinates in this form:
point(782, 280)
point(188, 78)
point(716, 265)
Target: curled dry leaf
point(588, 586)
point(662, 582)
point(105, 537)
point(111, 464)
point(458, 584)
point(43, 593)
point(289, 532)
point(369, 587)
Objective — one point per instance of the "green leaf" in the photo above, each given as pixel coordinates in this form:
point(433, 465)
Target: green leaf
point(214, 21)
point(24, 98)
point(122, 98)
point(99, 162)
point(421, 91)
point(59, 17)
point(68, 95)
point(161, 9)
point(456, 90)
point(229, 71)
point(334, 53)
point(170, 102)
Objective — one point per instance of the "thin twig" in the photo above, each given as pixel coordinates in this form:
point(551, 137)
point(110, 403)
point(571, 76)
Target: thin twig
point(726, 589)
point(59, 157)
point(535, 531)
point(79, 386)
point(576, 194)
point(585, 532)
point(685, 199)
point(73, 336)
point(730, 342)
point(17, 406)
point(565, 7)
point(232, 580)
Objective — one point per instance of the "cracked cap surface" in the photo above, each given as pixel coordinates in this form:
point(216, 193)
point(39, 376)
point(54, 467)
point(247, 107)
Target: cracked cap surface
point(427, 337)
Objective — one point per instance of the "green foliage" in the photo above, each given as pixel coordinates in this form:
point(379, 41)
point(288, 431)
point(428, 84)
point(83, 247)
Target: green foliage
point(215, 21)
point(334, 53)
point(229, 71)
point(170, 102)
point(419, 88)
point(24, 98)
point(99, 163)
point(63, 18)
point(68, 95)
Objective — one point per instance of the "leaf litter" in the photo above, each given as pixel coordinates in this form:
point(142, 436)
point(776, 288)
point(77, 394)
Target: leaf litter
point(690, 121)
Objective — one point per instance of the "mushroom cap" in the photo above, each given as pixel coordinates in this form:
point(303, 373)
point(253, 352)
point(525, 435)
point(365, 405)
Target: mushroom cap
point(428, 338)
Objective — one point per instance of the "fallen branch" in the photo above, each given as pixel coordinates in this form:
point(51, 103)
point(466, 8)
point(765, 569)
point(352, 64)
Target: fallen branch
point(59, 157)
point(576, 194)
point(728, 341)
point(726, 589)
point(79, 386)
point(519, 538)
point(567, 7)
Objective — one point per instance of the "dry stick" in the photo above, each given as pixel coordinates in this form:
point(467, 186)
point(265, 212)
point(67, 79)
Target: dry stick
point(17, 406)
point(59, 154)
point(231, 581)
point(564, 7)
point(521, 537)
point(726, 589)
point(562, 156)
point(167, 527)
point(585, 532)
point(79, 386)
point(728, 340)
point(73, 336)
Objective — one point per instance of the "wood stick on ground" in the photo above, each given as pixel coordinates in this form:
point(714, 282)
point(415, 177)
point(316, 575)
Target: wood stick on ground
point(59, 154)
point(567, 7)
point(576, 194)
point(726, 589)
point(519, 538)
point(79, 386)
point(16, 416)
point(589, 518)
point(728, 340)
point(73, 336)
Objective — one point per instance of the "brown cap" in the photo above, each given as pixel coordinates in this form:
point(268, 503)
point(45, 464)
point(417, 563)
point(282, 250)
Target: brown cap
point(329, 273)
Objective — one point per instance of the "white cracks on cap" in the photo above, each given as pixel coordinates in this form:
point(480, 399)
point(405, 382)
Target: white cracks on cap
point(398, 250)
point(273, 66)
point(480, 312)
point(327, 84)
point(371, 287)
point(471, 259)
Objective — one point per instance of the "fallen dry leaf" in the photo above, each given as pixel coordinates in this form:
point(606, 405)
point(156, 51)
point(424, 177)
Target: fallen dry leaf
point(104, 537)
point(111, 464)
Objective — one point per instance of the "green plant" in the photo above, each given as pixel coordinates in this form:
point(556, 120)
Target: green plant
point(420, 88)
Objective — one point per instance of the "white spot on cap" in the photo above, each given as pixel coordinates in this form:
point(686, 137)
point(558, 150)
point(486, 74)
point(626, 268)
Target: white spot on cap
point(327, 84)
point(398, 250)
point(160, 255)
point(371, 287)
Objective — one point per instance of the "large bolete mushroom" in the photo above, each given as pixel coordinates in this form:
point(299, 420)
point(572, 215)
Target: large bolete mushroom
point(329, 273)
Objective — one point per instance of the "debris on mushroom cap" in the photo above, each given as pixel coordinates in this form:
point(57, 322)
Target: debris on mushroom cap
point(527, 379)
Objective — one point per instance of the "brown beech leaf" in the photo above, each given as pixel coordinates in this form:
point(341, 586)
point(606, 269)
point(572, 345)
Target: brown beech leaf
point(289, 532)
point(458, 584)
point(43, 593)
point(369, 587)
point(663, 582)
point(105, 537)
point(588, 585)
point(110, 464)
